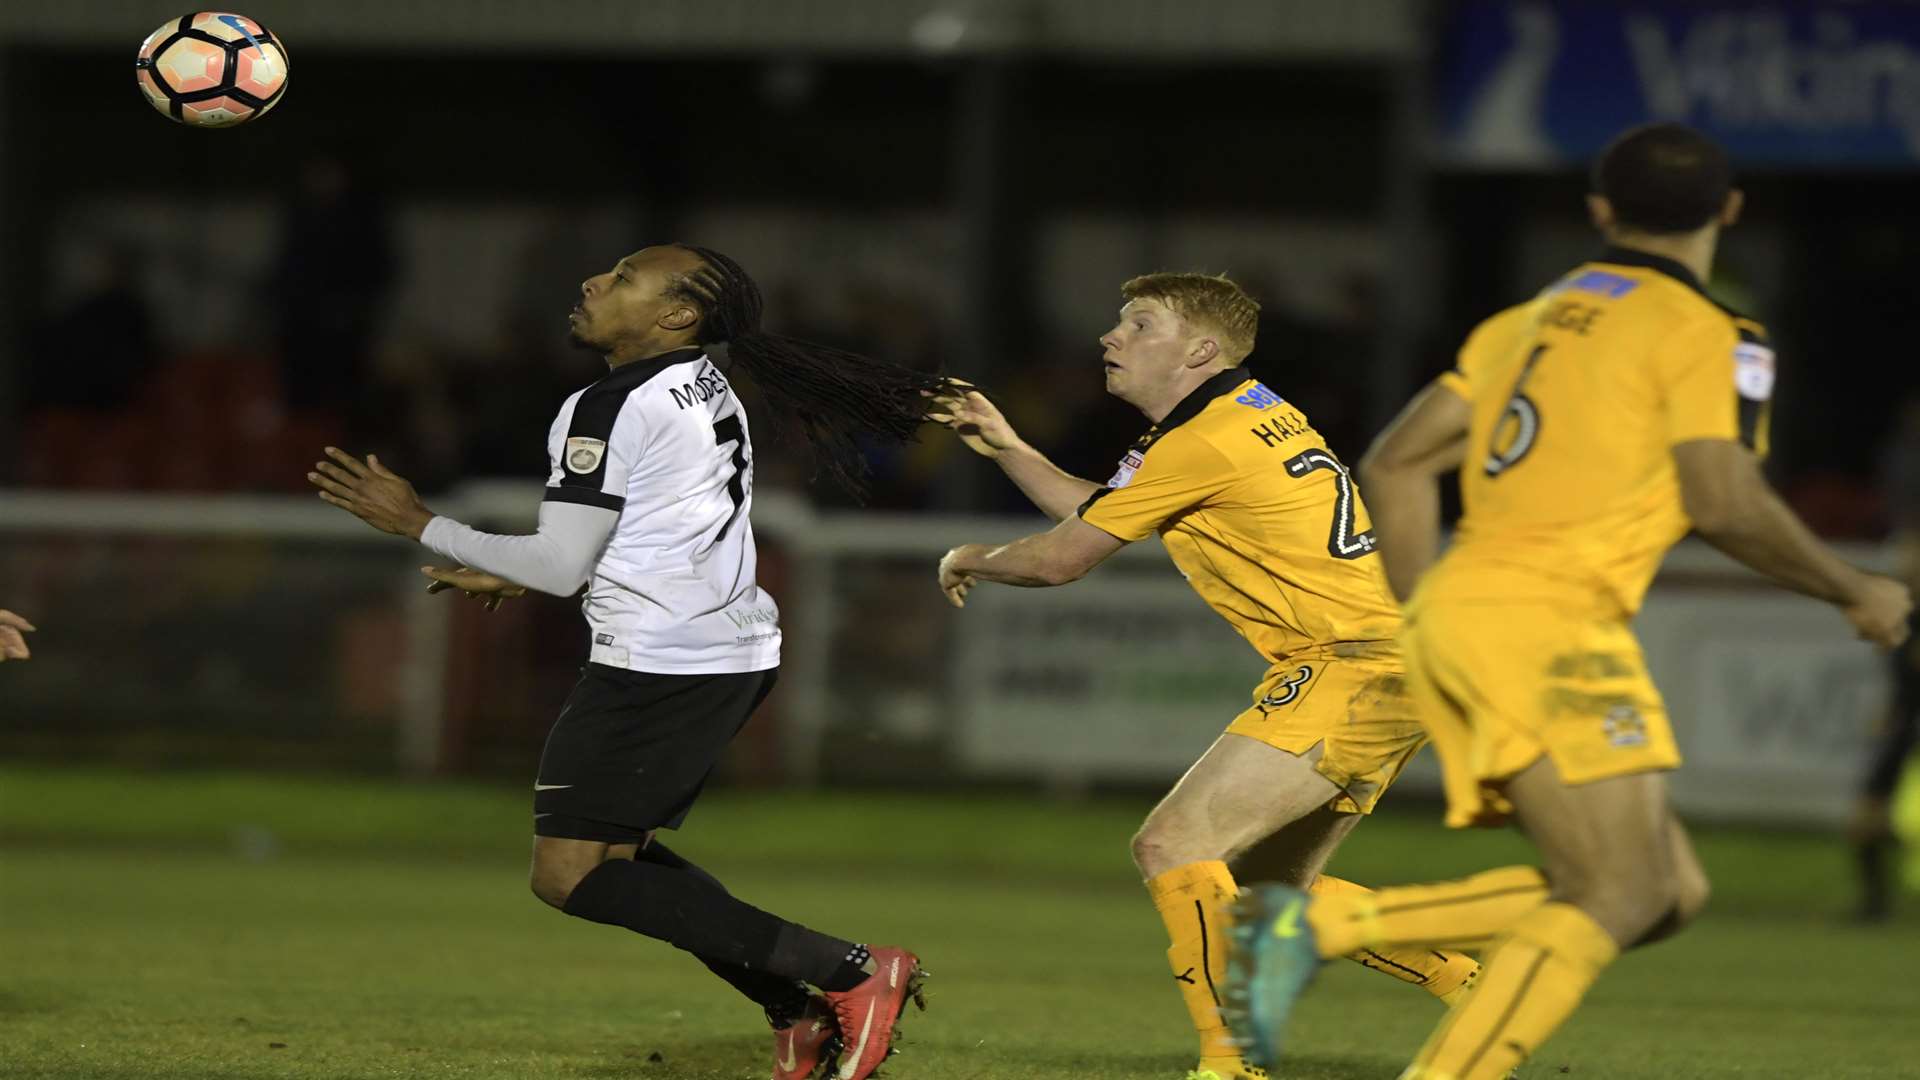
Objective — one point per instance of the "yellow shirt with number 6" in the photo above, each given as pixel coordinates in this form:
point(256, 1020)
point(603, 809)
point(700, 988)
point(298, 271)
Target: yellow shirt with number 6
point(1579, 395)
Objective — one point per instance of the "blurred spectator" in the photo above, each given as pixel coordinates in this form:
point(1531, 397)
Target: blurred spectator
point(97, 353)
point(1320, 364)
point(411, 388)
point(885, 321)
point(1901, 467)
point(1874, 841)
point(1057, 400)
point(502, 409)
point(780, 462)
point(503, 402)
point(335, 269)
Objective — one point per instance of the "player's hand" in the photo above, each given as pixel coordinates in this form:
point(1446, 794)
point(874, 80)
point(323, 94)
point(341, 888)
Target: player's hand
point(952, 582)
point(13, 645)
point(371, 492)
point(489, 589)
point(975, 419)
point(1878, 610)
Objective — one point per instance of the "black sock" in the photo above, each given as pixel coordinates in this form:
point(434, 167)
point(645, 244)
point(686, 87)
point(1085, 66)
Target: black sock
point(817, 951)
point(691, 912)
point(783, 999)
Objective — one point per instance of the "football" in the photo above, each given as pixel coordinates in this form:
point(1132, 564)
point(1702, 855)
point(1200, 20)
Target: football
point(212, 69)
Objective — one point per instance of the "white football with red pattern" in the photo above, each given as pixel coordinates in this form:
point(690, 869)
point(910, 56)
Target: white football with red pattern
point(212, 69)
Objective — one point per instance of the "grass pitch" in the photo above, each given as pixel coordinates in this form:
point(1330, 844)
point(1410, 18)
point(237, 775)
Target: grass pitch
point(212, 926)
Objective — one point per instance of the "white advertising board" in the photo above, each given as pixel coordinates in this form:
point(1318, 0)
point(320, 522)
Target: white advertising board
point(1118, 676)
point(1127, 676)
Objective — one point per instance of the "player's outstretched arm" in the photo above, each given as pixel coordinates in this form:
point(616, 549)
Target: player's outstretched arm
point(13, 645)
point(1397, 476)
point(1736, 510)
point(371, 492)
point(986, 432)
point(1062, 554)
point(489, 589)
point(556, 559)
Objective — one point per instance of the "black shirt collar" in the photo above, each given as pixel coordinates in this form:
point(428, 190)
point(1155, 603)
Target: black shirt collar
point(1224, 382)
point(639, 371)
point(1623, 256)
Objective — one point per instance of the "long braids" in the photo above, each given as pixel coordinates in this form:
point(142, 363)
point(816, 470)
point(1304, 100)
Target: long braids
point(831, 395)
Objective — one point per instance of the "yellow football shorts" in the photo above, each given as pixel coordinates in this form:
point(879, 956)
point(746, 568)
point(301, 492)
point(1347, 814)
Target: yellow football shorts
point(1498, 684)
point(1350, 717)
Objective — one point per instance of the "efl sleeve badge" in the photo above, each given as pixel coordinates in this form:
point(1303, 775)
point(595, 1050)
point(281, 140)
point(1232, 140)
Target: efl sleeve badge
point(583, 455)
point(1753, 371)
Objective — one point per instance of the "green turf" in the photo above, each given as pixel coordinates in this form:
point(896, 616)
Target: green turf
point(219, 925)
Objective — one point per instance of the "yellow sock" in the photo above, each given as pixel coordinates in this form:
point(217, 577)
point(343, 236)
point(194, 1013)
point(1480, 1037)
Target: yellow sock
point(1439, 972)
point(1193, 901)
point(1464, 914)
point(1534, 980)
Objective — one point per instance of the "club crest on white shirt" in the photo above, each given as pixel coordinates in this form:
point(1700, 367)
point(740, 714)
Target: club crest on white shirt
point(583, 455)
point(1753, 371)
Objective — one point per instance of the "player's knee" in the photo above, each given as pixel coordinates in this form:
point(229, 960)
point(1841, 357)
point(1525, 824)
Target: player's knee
point(560, 864)
point(1692, 890)
point(1689, 897)
point(552, 888)
point(1158, 848)
point(553, 881)
point(1146, 849)
point(1161, 846)
point(1627, 906)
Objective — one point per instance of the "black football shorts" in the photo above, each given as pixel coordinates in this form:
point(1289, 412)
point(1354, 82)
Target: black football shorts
point(631, 750)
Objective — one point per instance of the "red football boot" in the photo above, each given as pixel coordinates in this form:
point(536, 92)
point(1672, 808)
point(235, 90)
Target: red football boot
point(868, 1012)
point(799, 1047)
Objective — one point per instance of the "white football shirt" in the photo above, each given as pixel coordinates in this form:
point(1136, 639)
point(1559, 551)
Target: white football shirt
point(661, 447)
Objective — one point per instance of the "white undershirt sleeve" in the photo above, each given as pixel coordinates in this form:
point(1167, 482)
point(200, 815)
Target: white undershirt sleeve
point(557, 559)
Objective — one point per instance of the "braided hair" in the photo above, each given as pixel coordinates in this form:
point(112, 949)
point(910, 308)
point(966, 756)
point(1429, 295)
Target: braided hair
point(832, 396)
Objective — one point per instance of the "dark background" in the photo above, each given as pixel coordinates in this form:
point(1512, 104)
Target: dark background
point(992, 151)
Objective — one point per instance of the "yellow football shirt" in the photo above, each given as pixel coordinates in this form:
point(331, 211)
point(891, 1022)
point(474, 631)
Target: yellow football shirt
point(1263, 520)
point(1569, 485)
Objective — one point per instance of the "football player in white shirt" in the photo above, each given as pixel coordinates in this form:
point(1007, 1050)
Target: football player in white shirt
point(647, 505)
